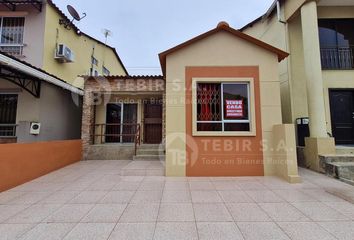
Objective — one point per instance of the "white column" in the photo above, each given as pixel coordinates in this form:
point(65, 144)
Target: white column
point(313, 70)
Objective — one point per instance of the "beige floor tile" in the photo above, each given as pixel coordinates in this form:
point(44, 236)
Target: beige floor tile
point(7, 211)
point(218, 231)
point(133, 231)
point(283, 212)
point(8, 196)
point(176, 231)
point(13, 231)
point(294, 196)
point(60, 197)
point(34, 213)
point(69, 213)
point(147, 197)
point(211, 212)
point(151, 186)
point(90, 231)
point(341, 230)
point(226, 185)
point(88, 197)
point(176, 197)
point(235, 197)
point(176, 212)
point(261, 231)
point(136, 213)
point(30, 198)
point(247, 212)
point(206, 197)
point(127, 186)
point(305, 231)
point(176, 186)
point(264, 196)
point(46, 231)
point(344, 208)
point(250, 185)
point(105, 213)
point(318, 211)
point(199, 185)
point(118, 197)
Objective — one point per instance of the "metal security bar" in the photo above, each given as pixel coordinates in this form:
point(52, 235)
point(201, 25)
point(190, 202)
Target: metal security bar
point(337, 57)
point(12, 30)
point(8, 130)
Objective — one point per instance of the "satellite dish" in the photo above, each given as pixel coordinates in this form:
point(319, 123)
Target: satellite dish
point(73, 13)
point(107, 32)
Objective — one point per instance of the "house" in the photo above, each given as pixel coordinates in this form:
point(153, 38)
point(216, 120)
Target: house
point(216, 111)
point(317, 79)
point(41, 56)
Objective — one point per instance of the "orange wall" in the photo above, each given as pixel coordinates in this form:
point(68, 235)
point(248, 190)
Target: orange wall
point(224, 156)
point(20, 163)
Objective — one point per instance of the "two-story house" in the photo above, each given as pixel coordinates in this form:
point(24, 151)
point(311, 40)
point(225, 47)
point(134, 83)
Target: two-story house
point(42, 53)
point(317, 79)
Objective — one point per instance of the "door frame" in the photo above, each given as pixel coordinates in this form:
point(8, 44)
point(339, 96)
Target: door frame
point(330, 90)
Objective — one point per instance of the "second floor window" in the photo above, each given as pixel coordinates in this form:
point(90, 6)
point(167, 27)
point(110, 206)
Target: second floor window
point(105, 71)
point(337, 43)
point(94, 61)
point(11, 30)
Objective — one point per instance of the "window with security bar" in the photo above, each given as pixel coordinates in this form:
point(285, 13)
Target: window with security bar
point(223, 107)
point(8, 110)
point(12, 30)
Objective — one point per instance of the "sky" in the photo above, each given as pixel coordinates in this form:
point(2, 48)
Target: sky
point(141, 29)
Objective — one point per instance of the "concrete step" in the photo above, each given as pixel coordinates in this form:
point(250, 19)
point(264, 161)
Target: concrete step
point(149, 158)
point(149, 151)
point(341, 170)
point(336, 158)
point(149, 146)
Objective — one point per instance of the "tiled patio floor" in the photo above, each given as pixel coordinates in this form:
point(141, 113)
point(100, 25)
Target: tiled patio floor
point(92, 200)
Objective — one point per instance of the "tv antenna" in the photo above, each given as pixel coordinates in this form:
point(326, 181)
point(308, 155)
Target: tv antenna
point(75, 15)
point(107, 33)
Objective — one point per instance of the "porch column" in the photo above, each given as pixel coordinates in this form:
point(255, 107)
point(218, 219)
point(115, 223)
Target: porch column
point(313, 70)
point(87, 122)
point(318, 143)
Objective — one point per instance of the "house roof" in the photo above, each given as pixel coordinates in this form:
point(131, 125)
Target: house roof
point(10, 61)
point(223, 27)
point(112, 77)
point(79, 32)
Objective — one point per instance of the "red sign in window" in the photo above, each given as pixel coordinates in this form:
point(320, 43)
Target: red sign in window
point(234, 109)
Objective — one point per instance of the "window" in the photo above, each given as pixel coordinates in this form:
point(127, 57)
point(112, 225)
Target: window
point(337, 43)
point(105, 71)
point(11, 30)
point(94, 61)
point(8, 110)
point(223, 107)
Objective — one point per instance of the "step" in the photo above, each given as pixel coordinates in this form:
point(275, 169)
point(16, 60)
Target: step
point(341, 170)
point(149, 146)
point(324, 159)
point(149, 158)
point(150, 151)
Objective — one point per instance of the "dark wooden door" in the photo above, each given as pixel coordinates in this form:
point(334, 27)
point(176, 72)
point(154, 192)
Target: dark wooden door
point(153, 123)
point(342, 116)
point(113, 116)
point(130, 119)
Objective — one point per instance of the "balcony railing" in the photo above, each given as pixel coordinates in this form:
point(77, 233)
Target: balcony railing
point(12, 49)
point(337, 57)
point(8, 130)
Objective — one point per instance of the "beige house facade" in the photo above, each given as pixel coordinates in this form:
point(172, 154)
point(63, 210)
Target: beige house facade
point(317, 79)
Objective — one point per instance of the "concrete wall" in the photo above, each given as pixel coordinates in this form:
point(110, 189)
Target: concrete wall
point(82, 46)
point(56, 110)
point(20, 163)
point(33, 33)
point(293, 81)
point(220, 49)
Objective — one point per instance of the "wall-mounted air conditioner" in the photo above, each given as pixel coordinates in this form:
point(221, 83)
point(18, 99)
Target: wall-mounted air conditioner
point(35, 128)
point(64, 54)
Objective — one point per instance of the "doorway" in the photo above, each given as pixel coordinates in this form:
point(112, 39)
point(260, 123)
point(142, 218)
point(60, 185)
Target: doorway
point(342, 115)
point(124, 117)
point(153, 122)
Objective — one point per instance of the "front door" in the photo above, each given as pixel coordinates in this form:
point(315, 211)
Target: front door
point(153, 122)
point(113, 121)
point(342, 115)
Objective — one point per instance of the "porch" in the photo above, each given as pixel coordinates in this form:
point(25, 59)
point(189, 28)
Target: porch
point(122, 115)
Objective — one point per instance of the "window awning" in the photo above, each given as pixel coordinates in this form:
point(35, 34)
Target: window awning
point(12, 5)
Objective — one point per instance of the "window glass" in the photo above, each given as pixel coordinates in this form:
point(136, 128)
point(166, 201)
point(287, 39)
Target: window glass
point(223, 107)
point(8, 110)
point(11, 31)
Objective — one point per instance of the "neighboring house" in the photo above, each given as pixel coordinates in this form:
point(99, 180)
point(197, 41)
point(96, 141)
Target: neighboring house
point(211, 112)
point(317, 79)
point(40, 61)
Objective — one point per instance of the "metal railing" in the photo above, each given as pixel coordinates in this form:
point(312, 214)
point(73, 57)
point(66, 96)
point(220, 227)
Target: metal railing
point(337, 57)
point(8, 130)
point(12, 49)
point(117, 133)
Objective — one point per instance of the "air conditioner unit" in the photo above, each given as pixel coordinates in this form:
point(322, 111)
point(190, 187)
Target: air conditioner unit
point(64, 54)
point(35, 128)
